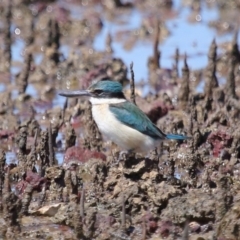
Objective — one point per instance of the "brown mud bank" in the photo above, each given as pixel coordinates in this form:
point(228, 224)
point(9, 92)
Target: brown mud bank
point(60, 180)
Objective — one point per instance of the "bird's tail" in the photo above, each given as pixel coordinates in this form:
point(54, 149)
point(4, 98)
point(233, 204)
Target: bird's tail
point(176, 137)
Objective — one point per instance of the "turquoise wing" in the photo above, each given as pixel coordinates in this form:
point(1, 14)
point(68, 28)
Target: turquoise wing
point(130, 115)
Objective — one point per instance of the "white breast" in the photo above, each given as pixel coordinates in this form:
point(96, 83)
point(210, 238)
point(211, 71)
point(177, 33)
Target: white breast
point(125, 137)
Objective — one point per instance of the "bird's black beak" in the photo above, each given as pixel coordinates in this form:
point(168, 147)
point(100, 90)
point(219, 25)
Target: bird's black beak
point(77, 93)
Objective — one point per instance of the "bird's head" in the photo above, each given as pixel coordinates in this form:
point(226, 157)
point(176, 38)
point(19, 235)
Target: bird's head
point(100, 89)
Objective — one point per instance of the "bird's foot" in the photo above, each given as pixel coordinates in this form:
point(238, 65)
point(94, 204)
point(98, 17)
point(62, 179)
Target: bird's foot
point(123, 156)
point(154, 155)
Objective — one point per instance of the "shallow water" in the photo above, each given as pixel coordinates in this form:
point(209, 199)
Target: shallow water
point(192, 38)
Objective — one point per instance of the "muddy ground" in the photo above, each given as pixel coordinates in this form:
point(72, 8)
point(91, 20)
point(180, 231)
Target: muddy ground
point(60, 180)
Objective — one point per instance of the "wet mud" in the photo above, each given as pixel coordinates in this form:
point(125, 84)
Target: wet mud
point(59, 179)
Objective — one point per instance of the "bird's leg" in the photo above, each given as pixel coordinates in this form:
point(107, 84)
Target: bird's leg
point(117, 160)
point(154, 155)
point(123, 156)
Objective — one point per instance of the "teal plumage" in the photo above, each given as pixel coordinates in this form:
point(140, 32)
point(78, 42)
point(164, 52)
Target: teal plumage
point(130, 115)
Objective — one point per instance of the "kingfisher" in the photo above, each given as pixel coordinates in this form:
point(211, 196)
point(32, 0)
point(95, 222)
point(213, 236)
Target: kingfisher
point(119, 120)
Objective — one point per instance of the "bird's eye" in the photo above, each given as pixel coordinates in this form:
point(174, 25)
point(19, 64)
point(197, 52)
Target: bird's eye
point(98, 91)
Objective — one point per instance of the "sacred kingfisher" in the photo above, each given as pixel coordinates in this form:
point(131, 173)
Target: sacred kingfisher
point(120, 120)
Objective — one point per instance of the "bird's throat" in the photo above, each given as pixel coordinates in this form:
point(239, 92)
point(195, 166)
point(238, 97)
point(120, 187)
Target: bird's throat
point(98, 101)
